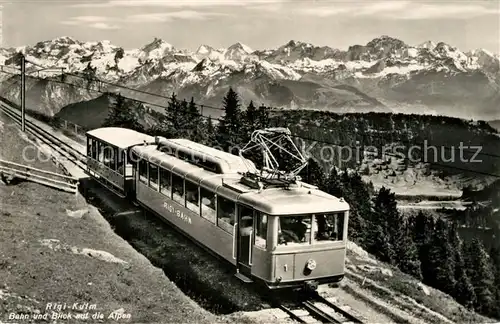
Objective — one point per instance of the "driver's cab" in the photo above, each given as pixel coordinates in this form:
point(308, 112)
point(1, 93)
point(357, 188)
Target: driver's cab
point(310, 229)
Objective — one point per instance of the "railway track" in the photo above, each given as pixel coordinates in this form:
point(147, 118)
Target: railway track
point(313, 309)
point(317, 309)
point(63, 149)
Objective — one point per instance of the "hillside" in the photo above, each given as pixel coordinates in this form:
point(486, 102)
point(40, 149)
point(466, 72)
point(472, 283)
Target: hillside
point(400, 150)
point(386, 74)
point(374, 289)
point(495, 124)
point(92, 114)
point(67, 253)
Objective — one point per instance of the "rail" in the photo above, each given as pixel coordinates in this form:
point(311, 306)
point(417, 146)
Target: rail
point(318, 308)
point(63, 149)
point(61, 182)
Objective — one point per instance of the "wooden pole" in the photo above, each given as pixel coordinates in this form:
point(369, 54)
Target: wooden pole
point(23, 93)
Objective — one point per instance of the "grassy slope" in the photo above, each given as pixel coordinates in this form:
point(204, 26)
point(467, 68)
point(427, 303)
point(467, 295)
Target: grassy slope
point(495, 124)
point(403, 291)
point(34, 274)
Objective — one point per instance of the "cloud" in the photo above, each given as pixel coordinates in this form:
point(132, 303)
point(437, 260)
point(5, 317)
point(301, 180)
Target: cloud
point(101, 25)
point(269, 7)
point(173, 3)
point(89, 19)
point(400, 10)
point(169, 16)
point(101, 22)
point(97, 22)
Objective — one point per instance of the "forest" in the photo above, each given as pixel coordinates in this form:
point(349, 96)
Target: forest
point(429, 248)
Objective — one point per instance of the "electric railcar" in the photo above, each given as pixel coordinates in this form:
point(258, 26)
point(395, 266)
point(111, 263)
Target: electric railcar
point(281, 236)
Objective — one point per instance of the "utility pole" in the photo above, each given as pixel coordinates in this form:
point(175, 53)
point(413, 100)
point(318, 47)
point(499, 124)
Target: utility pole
point(23, 93)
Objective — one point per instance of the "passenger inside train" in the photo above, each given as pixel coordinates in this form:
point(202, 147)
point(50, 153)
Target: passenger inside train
point(298, 229)
point(293, 229)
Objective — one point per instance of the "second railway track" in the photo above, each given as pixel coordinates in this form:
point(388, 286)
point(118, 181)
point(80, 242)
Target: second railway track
point(62, 148)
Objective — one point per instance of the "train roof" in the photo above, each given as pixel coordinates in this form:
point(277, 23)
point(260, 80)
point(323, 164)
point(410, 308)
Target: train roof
point(120, 137)
point(227, 162)
point(273, 201)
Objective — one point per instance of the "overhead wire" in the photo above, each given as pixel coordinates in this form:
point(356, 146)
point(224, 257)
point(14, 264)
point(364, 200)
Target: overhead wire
point(220, 119)
point(381, 136)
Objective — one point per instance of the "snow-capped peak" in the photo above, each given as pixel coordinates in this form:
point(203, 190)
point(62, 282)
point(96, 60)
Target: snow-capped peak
point(156, 49)
point(430, 45)
point(480, 52)
point(237, 52)
point(240, 46)
point(204, 49)
point(64, 40)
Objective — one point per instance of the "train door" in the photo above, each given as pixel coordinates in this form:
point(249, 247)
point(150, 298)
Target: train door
point(131, 172)
point(245, 236)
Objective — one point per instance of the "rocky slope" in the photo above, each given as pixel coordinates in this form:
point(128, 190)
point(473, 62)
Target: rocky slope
point(386, 74)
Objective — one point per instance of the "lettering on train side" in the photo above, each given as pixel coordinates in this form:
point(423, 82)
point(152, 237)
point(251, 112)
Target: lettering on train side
point(177, 212)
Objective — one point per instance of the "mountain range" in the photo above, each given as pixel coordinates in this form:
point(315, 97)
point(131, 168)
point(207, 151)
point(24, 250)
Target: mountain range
point(386, 74)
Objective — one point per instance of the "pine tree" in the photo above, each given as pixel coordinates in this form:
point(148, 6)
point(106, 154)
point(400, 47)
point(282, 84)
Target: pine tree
point(194, 123)
point(175, 123)
point(166, 125)
point(480, 272)
point(333, 184)
point(463, 291)
point(495, 260)
point(378, 236)
point(210, 133)
point(313, 174)
point(441, 272)
point(182, 120)
point(263, 117)
point(251, 122)
point(406, 252)
point(354, 191)
point(122, 115)
point(230, 126)
point(422, 228)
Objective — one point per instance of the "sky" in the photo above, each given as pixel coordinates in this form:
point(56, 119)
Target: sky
point(260, 24)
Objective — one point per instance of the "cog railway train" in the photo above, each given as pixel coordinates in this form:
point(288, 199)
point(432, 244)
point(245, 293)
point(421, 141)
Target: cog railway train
point(282, 236)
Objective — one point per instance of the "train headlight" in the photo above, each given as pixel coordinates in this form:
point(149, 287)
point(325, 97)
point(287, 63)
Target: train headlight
point(311, 264)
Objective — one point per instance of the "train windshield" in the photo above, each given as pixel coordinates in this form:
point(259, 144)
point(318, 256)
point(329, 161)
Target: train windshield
point(329, 227)
point(294, 230)
point(311, 229)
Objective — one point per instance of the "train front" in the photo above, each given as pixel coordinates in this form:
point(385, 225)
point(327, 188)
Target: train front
point(308, 248)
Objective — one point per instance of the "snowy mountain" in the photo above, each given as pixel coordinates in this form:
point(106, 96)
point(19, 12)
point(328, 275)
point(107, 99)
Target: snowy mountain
point(386, 74)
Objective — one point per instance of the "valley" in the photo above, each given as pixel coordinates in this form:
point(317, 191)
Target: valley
point(384, 104)
point(385, 75)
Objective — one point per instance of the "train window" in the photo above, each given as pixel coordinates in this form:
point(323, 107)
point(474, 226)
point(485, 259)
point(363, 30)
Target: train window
point(94, 149)
point(260, 230)
point(246, 220)
point(115, 158)
point(294, 230)
point(192, 197)
point(330, 227)
point(153, 176)
point(143, 171)
point(104, 158)
point(178, 189)
point(208, 205)
point(210, 166)
point(108, 156)
point(226, 214)
point(120, 162)
point(165, 182)
point(89, 146)
point(100, 156)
